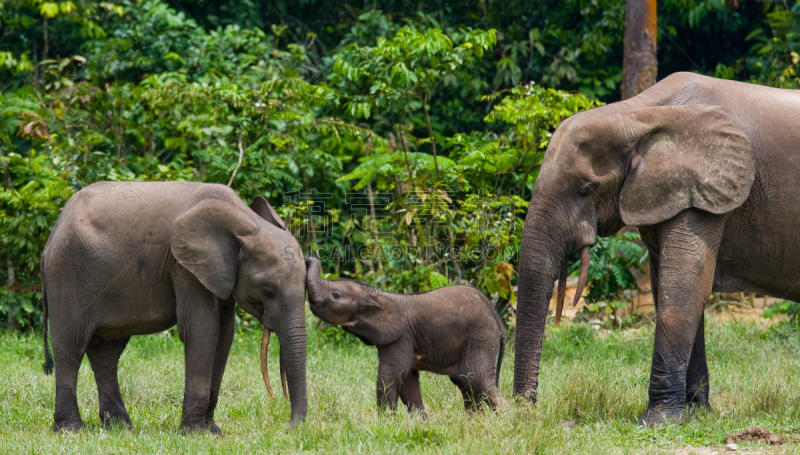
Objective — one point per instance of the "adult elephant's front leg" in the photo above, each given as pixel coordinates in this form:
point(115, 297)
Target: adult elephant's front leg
point(225, 339)
point(198, 317)
point(688, 245)
point(697, 386)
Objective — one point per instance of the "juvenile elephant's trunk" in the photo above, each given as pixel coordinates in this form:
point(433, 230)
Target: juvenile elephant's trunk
point(314, 284)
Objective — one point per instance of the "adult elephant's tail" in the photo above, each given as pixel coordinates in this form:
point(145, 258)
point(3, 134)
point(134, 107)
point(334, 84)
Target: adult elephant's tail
point(500, 360)
point(48, 364)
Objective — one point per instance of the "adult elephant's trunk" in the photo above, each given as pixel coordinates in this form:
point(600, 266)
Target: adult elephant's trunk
point(545, 244)
point(314, 284)
point(292, 336)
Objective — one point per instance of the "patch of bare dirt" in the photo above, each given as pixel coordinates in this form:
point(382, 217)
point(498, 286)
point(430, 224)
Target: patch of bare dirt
point(756, 434)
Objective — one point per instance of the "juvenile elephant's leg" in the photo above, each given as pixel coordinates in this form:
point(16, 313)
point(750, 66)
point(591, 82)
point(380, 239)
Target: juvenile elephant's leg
point(226, 328)
point(470, 403)
point(697, 373)
point(68, 351)
point(394, 363)
point(104, 357)
point(198, 327)
point(688, 250)
point(479, 373)
point(411, 394)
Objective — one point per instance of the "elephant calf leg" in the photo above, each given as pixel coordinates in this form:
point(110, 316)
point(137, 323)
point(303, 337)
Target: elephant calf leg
point(471, 401)
point(411, 394)
point(104, 357)
point(394, 365)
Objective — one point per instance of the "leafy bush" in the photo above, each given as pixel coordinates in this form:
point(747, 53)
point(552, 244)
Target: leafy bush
point(790, 309)
point(610, 276)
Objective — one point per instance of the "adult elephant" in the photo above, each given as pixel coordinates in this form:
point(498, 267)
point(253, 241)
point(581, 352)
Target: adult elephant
point(709, 171)
point(134, 258)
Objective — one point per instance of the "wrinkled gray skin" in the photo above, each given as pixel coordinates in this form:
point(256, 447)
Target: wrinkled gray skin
point(452, 331)
point(708, 170)
point(134, 258)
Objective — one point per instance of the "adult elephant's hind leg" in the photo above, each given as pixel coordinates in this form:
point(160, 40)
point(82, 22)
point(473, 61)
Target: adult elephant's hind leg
point(697, 373)
point(68, 351)
point(226, 328)
point(104, 357)
point(688, 250)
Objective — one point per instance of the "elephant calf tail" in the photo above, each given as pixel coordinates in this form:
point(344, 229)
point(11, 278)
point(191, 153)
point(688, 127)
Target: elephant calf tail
point(48, 364)
point(500, 360)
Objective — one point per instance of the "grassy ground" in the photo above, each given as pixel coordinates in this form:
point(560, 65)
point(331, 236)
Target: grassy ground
point(592, 389)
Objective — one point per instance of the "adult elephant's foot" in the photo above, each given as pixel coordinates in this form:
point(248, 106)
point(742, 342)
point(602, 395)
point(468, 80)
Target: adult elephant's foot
point(656, 416)
point(212, 427)
point(201, 426)
point(111, 419)
point(71, 426)
point(695, 406)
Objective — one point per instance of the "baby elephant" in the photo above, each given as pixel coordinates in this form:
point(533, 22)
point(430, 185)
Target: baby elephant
point(453, 331)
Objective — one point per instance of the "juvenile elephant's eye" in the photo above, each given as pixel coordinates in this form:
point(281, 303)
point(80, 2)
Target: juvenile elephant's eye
point(268, 293)
point(336, 295)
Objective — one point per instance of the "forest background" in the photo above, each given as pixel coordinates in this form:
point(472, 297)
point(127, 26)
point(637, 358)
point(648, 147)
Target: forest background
point(400, 140)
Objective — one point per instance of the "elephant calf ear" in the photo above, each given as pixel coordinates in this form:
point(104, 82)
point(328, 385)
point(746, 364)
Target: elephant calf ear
point(206, 241)
point(382, 323)
point(688, 156)
point(264, 210)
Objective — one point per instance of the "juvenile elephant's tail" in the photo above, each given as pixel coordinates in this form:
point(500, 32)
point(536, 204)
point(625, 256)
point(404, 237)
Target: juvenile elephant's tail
point(500, 360)
point(48, 364)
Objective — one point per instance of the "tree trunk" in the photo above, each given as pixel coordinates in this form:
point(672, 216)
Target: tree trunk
point(639, 61)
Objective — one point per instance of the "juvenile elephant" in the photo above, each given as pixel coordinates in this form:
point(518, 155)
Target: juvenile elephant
point(709, 171)
point(452, 331)
point(134, 258)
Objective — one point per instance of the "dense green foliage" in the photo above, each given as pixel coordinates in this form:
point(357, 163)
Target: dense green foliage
point(401, 143)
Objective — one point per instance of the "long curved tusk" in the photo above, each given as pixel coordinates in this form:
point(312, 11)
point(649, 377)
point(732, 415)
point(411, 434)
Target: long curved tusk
point(584, 274)
point(562, 290)
point(283, 379)
point(264, 372)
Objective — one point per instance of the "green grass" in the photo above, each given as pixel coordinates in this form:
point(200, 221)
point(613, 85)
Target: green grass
point(592, 389)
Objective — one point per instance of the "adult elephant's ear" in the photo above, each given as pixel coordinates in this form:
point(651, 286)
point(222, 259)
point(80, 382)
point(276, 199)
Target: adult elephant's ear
point(685, 156)
point(377, 319)
point(264, 210)
point(206, 241)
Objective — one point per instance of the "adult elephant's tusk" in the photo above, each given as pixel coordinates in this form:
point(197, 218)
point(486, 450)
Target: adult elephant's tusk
point(283, 379)
point(264, 372)
point(583, 275)
point(562, 290)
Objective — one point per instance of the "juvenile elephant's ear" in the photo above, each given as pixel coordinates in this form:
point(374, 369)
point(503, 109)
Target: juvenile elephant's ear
point(686, 156)
point(379, 320)
point(261, 206)
point(206, 241)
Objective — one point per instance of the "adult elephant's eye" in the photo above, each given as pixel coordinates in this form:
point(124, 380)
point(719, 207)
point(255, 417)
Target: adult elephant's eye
point(585, 190)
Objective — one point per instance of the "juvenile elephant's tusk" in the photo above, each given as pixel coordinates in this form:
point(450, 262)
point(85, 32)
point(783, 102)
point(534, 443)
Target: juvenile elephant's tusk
point(584, 274)
point(283, 379)
point(264, 372)
point(562, 290)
